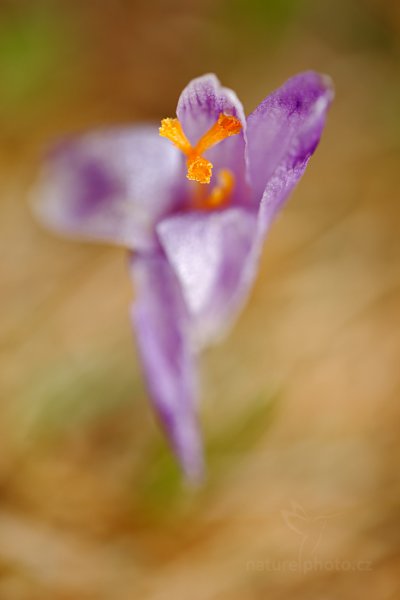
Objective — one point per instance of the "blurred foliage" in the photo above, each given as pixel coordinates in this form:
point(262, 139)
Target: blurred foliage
point(33, 41)
point(159, 487)
point(69, 396)
point(269, 15)
point(357, 25)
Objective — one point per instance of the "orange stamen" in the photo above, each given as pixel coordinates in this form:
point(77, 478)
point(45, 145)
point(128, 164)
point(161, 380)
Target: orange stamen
point(222, 192)
point(219, 195)
point(199, 168)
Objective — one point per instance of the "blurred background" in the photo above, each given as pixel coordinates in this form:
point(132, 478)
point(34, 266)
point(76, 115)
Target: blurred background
point(300, 404)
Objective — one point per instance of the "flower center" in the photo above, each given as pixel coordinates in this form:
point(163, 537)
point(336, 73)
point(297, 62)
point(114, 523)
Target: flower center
point(199, 169)
point(220, 193)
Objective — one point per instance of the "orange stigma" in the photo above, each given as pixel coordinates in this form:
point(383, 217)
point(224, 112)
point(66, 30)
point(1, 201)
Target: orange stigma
point(172, 130)
point(198, 168)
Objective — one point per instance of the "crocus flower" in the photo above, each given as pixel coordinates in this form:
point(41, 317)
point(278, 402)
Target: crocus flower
point(192, 202)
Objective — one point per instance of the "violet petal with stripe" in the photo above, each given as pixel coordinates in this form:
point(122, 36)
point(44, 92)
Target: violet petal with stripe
point(192, 268)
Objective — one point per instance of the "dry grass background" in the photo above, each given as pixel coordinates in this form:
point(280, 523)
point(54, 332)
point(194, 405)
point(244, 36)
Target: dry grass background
point(301, 414)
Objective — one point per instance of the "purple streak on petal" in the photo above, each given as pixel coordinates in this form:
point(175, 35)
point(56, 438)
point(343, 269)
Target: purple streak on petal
point(209, 253)
point(162, 332)
point(288, 173)
point(98, 188)
point(202, 101)
point(112, 185)
point(284, 131)
point(199, 106)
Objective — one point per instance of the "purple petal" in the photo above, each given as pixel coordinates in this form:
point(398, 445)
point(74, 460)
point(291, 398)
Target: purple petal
point(199, 106)
point(162, 333)
point(283, 132)
point(111, 185)
point(214, 259)
point(202, 101)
